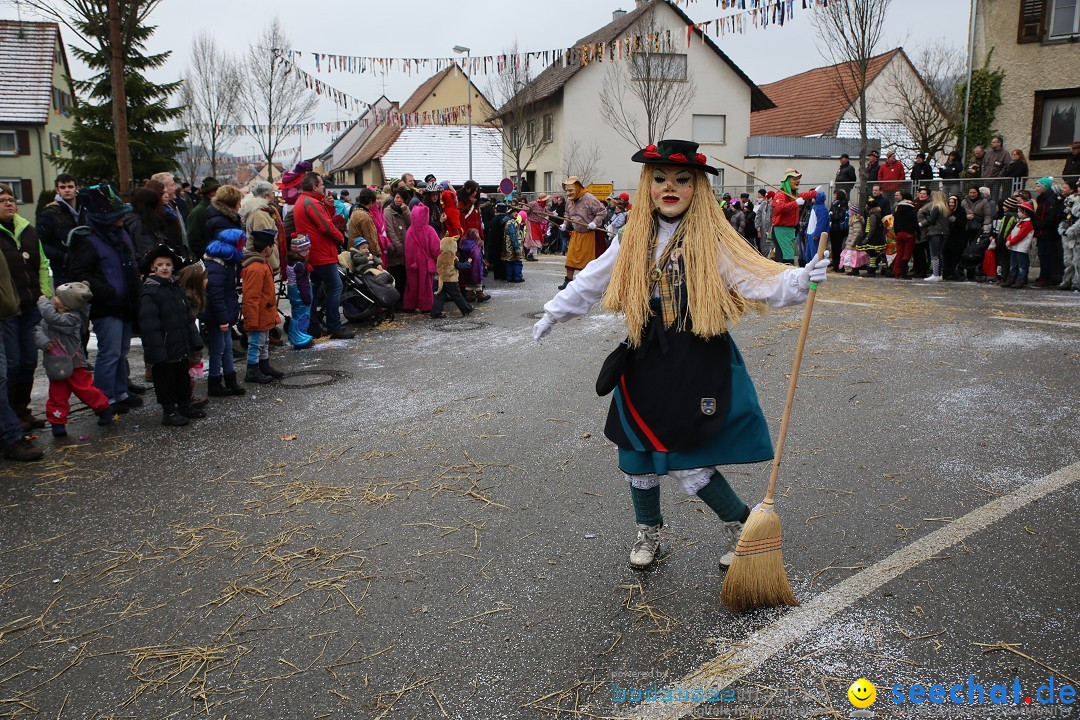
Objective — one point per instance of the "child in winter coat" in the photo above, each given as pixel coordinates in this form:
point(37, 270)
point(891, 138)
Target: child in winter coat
point(513, 253)
point(222, 311)
point(447, 265)
point(193, 280)
point(453, 215)
point(818, 223)
point(64, 318)
point(169, 337)
point(472, 248)
point(1019, 244)
point(299, 288)
point(259, 306)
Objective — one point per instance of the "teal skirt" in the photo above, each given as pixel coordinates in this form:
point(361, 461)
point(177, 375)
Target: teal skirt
point(744, 438)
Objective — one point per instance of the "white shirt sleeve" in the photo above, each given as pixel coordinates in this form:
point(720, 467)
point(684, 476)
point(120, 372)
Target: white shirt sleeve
point(777, 292)
point(586, 289)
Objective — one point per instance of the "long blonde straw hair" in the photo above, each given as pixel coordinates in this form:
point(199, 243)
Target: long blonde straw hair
point(714, 299)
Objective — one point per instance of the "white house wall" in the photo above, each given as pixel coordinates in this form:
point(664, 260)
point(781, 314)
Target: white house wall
point(720, 91)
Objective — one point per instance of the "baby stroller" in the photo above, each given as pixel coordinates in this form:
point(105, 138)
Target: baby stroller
point(367, 295)
point(971, 259)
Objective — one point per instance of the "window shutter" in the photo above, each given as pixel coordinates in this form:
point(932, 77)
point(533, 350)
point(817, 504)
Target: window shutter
point(22, 139)
point(1032, 15)
point(27, 190)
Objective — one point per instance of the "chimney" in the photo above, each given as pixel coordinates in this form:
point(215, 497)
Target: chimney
point(618, 14)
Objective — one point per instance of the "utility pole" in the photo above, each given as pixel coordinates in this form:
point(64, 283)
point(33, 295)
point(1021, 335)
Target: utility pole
point(119, 99)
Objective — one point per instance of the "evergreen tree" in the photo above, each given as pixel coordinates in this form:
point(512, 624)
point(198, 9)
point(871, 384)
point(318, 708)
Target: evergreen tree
point(91, 140)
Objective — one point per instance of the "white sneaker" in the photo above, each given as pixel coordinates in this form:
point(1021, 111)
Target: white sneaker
point(646, 548)
point(933, 278)
point(730, 534)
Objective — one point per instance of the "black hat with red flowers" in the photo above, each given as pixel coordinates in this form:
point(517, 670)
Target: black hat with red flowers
point(681, 153)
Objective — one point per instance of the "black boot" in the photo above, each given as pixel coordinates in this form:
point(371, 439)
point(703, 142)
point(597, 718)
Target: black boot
point(170, 415)
point(190, 411)
point(19, 398)
point(255, 375)
point(215, 387)
point(231, 384)
point(269, 371)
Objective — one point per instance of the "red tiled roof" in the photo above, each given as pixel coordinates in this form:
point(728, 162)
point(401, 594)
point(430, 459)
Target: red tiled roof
point(554, 77)
point(810, 103)
point(26, 55)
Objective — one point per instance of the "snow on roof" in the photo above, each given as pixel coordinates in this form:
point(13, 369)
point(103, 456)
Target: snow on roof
point(443, 150)
point(27, 54)
point(892, 133)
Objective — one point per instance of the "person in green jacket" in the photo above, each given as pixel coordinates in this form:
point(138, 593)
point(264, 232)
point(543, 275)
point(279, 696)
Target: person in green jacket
point(25, 278)
point(196, 220)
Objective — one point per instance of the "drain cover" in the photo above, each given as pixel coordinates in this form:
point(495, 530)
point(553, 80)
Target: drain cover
point(314, 378)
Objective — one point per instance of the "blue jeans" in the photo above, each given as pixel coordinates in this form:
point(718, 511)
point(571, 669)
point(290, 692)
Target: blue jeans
point(326, 281)
point(10, 429)
point(513, 270)
point(110, 367)
point(221, 356)
point(19, 344)
point(258, 346)
point(1020, 266)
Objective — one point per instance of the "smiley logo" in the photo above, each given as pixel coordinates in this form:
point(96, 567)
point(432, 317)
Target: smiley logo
point(862, 693)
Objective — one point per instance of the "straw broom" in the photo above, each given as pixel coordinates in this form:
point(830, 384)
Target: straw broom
point(757, 577)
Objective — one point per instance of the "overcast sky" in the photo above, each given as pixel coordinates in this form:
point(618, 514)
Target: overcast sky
point(430, 28)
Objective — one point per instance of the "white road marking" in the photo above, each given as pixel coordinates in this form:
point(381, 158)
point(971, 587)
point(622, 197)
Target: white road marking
point(799, 622)
point(1059, 323)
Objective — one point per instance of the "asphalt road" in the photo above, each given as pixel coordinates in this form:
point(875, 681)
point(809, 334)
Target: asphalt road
point(427, 522)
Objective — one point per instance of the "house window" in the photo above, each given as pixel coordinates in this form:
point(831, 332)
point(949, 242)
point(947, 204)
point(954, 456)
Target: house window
point(549, 180)
point(515, 137)
point(9, 144)
point(659, 66)
point(549, 123)
point(710, 129)
point(61, 101)
point(54, 144)
point(1055, 122)
point(16, 185)
point(718, 182)
point(530, 132)
point(1064, 18)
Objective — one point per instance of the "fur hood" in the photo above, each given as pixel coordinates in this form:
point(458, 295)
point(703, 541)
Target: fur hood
point(251, 203)
point(226, 211)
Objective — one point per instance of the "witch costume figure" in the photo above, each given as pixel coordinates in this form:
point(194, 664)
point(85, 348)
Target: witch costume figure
point(682, 401)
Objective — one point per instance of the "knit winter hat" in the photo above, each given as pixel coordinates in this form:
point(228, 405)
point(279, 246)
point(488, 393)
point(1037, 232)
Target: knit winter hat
point(1047, 183)
point(300, 243)
point(74, 295)
point(103, 206)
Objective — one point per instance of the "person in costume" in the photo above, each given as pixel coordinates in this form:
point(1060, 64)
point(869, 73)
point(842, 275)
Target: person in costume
point(787, 205)
point(534, 239)
point(681, 277)
point(818, 223)
point(583, 216)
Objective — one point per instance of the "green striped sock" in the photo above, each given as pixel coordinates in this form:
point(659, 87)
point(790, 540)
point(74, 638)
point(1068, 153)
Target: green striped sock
point(647, 505)
point(719, 496)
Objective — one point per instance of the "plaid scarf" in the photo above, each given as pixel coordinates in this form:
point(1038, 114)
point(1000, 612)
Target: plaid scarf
point(670, 274)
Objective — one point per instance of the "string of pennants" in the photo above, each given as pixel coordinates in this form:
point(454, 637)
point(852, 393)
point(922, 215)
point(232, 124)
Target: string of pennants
point(241, 159)
point(619, 49)
point(751, 14)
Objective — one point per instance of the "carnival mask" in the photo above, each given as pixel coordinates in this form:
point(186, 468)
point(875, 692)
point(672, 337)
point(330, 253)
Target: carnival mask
point(671, 190)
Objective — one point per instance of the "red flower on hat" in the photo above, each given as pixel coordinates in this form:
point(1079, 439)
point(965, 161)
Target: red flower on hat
point(650, 152)
point(677, 157)
point(699, 159)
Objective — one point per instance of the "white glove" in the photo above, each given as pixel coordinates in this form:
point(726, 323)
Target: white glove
point(592, 226)
point(543, 326)
point(819, 188)
point(565, 226)
point(814, 271)
point(800, 202)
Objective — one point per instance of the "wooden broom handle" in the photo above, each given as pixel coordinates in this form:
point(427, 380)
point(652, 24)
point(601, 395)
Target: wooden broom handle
point(822, 242)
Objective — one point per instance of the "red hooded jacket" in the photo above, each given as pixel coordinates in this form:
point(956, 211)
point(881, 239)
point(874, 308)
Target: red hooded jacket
point(313, 220)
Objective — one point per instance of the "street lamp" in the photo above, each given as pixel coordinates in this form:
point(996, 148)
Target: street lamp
point(459, 49)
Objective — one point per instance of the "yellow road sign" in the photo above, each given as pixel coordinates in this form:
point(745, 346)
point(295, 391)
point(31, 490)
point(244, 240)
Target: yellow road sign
point(601, 191)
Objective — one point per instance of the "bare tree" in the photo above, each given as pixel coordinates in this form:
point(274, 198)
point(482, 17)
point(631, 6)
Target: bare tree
point(272, 97)
point(647, 94)
point(210, 90)
point(525, 128)
point(191, 158)
point(850, 32)
point(926, 100)
point(582, 161)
